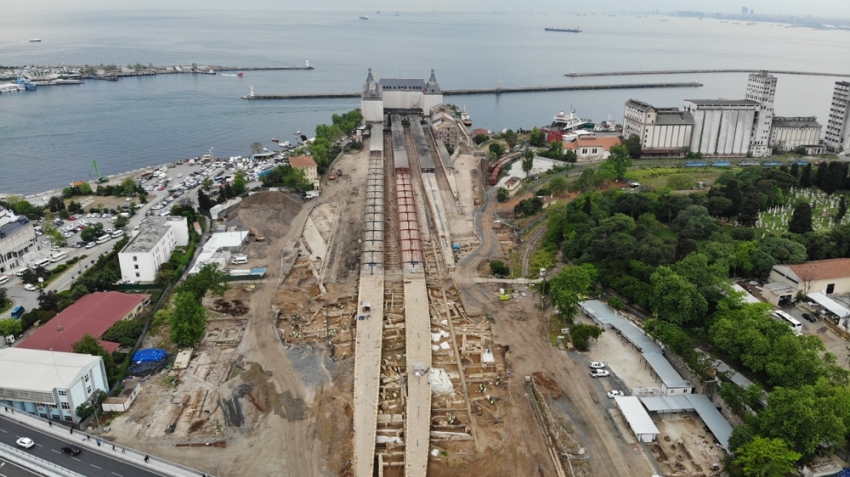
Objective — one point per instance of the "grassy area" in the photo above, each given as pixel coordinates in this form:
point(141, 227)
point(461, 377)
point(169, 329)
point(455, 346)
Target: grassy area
point(824, 208)
point(4, 306)
point(656, 177)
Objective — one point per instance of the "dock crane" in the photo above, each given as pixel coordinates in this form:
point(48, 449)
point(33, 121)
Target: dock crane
point(96, 169)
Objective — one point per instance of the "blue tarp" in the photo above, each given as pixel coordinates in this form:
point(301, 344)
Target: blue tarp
point(150, 355)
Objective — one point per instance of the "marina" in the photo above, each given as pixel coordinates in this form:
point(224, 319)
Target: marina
point(478, 91)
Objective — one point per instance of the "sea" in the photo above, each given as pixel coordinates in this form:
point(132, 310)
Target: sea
point(49, 138)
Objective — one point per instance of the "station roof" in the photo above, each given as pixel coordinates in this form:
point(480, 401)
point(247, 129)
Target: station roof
point(92, 314)
point(45, 370)
point(605, 315)
point(411, 84)
point(636, 415)
point(664, 404)
point(830, 304)
point(665, 371)
point(716, 423)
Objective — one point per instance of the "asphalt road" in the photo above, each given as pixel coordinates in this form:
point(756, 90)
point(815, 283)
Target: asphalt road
point(10, 469)
point(88, 462)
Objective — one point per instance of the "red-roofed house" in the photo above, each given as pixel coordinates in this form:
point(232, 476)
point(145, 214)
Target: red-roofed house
point(590, 147)
point(825, 276)
point(308, 165)
point(92, 314)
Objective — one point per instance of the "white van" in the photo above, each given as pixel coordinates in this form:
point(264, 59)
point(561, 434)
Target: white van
point(42, 263)
point(103, 239)
point(58, 256)
point(3, 279)
point(240, 260)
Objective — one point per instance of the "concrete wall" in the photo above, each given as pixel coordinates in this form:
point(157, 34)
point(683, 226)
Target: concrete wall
point(790, 138)
point(721, 131)
point(180, 227)
point(402, 99)
point(373, 111)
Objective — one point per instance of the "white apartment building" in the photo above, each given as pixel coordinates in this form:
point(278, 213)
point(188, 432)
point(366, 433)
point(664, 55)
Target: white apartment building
point(49, 384)
point(789, 133)
point(662, 131)
point(838, 126)
point(152, 246)
point(722, 127)
point(761, 87)
point(17, 237)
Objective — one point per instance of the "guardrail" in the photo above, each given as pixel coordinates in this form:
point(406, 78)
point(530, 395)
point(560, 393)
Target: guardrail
point(29, 461)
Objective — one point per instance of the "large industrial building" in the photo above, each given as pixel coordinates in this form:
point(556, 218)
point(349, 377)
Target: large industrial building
point(17, 237)
point(662, 131)
point(788, 134)
point(838, 127)
point(761, 88)
point(49, 384)
point(721, 126)
point(400, 94)
point(151, 247)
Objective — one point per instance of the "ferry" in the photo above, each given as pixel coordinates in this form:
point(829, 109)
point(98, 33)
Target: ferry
point(567, 30)
point(11, 88)
point(364, 17)
point(464, 117)
point(569, 123)
point(35, 40)
point(608, 125)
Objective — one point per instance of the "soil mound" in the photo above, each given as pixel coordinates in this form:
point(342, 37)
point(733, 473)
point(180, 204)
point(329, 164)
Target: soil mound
point(270, 213)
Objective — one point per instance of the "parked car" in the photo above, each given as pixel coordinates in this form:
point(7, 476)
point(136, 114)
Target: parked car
point(91, 245)
point(71, 450)
point(597, 364)
point(599, 373)
point(615, 393)
point(30, 287)
point(25, 442)
point(810, 317)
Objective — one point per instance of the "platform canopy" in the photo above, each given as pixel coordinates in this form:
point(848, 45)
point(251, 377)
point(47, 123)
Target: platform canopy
point(829, 304)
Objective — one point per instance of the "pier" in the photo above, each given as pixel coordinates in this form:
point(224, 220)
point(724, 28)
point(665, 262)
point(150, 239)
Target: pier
point(679, 72)
point(474, 91)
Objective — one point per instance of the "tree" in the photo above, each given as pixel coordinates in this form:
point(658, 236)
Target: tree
point(92, 232)
point(188, 319)
point(821, 175)
point(694, 222)
point(806, 176)
point(763, 457)
point(499, 269)
point(537, 138)
point(10, 326)
point(4, 295)
point(48, 301)
point(527, 161)
point(29, 277)
point(256, 147)
point(55, 204)
point(803, 418)
point(835, 175)
point(125, 332)
point(120, 222)
point(842, 210)
point(502, 194)
point(209, 278)
point(480, 138)
point(619, 160)
point(239, 183)
point(586, 181)
point(88, 345)
point(801, 219)
point(749, 212)
point(497, 149)
point(204, 201)
point(510, 137)
point(206, 184)
point(569, 287)
point(720, 206)
point(632, 144)
point(581, 334)
point(558, 185)
point(732, 191)
point(685, 247)
point(676, 300)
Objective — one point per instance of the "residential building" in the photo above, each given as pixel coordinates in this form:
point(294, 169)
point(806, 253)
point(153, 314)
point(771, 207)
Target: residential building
point(448, 128)
point(838, 126)
point(92, 314)
point(512, 184)
point(17, 237)
point(219, 248)
point(49, 384)
point(152, 246)
point(398, 93)
point(590, 147)
point(308, 165)
point(789, 133)
point(761, 87)
point(722, 127)
point(662, 131)
point(825, 276)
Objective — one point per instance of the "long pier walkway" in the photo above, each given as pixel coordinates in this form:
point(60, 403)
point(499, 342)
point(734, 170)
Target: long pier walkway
point(679, 72)
point(473, 91)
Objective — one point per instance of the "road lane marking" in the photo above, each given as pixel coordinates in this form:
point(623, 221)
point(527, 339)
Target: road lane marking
point(4, 431)
point(96, 467)
point(119, 475)
point(56, 451)
point(78, 460)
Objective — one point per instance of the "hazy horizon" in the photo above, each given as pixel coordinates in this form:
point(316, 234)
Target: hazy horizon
point(816, 8)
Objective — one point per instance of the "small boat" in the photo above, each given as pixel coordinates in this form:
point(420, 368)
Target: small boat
point(572, 122)
point(297, 133)
point(285, 144)
point(364, 17)
point(464, 117)
point(567, 30)
point(240, 74)
point(35, 40)
point(265, 150)
point(274, 139)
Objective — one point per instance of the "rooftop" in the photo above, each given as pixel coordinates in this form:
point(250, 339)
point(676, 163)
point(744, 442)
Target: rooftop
point(820, 269)
point(674, 117)
point(605, 142)
point(92, 314)
point(413, 84)
point(151, 232)
point(796, 122)
point(302, 161)
point(636, 415)
point(723, 102)
point(42, 371)
point(638, 104)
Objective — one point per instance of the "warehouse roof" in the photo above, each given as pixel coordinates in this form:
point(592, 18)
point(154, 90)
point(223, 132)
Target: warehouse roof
point(796, 122)
point(723, 102)
point(717, 424)
point(665, 371)
point(92, 314)
point(819, 269)
point(674, 118)
point(42, 371)
point(636, 415)
point(601, 313)
point(665, 404)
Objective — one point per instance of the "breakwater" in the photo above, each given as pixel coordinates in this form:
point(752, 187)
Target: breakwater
point(477, 91)
point(678, 72)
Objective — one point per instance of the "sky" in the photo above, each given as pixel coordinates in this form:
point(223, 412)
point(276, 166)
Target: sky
point(818, 8)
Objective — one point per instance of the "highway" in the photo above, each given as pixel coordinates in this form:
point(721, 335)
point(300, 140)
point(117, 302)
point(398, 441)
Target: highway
point(10, 469)
point(88, 462)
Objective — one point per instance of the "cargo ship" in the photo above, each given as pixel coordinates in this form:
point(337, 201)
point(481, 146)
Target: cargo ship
point(567, 30)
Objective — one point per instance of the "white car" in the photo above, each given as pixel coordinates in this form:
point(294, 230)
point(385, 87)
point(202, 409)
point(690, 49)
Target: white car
point(30, 287)
point(599, 373)
point(91, 245)
point(25, 442)
point(597, 364)
point(615, 393)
